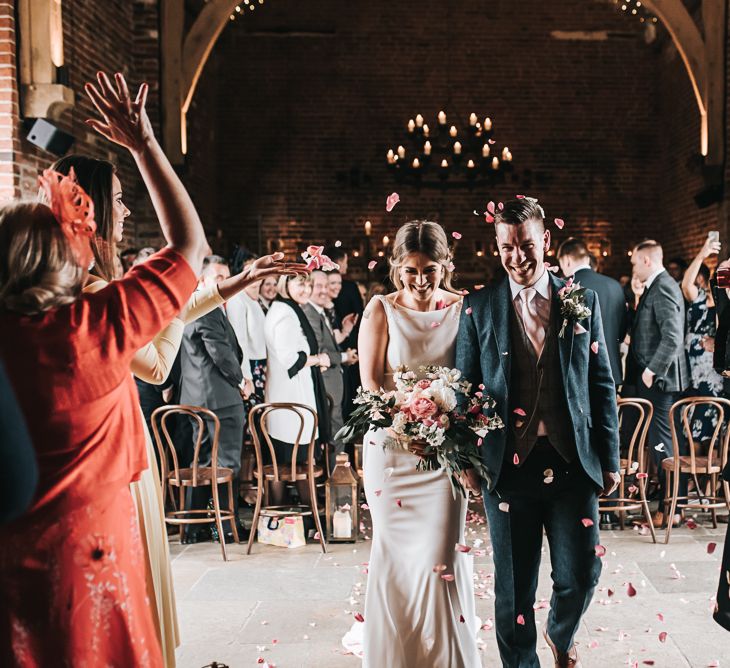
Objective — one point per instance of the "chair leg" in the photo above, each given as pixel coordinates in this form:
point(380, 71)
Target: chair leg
point(256, 512)
point(675, 494)
point(645, 506)
point(232, 507)
point(315, 512)
point(182, 507)
point(218, 522)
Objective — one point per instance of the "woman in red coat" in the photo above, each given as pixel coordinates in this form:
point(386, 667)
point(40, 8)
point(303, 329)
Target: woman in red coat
point(72, 572)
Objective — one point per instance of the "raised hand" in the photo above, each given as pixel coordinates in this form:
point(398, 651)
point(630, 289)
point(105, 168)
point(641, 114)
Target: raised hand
point(125, 122)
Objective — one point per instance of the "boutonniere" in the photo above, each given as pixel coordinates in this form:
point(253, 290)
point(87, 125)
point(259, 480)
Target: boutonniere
point(572, 305)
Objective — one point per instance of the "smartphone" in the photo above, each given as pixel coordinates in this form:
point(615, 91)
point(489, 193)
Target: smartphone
point(713, 235)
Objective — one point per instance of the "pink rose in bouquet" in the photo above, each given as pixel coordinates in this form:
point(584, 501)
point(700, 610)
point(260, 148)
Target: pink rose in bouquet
point(423, 408)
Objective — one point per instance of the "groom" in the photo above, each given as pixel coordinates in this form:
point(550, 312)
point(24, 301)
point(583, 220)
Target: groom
point(559, 448)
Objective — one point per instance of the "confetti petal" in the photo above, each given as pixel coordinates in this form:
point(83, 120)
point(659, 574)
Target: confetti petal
point(434, 325)
point(490, 207)
point(462, 548)
point(630, 590)
point(691, 524)
point(439, 568)
point(391, 201)
point(378, 492)
point(399, 503)
point(548, 479)
point(504, 507)
point(594, 347)
point(521, 619)
point(448, 577)
point(469, 310)
point(520, 196)
point(372, 264)
point(489, 217)
point(338, 244)
point(456, 235)
point(587, 522)
point(663, 636)
point(516, 459)
point(461, 619)
point(358, 617)
point(660, 616)
point(711, 547)
point(600, 550)
point(520, 412)
point(559, 223)
point(500, 206)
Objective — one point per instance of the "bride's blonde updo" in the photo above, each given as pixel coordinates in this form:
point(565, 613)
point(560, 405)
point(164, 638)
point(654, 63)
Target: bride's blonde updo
point(421, 236)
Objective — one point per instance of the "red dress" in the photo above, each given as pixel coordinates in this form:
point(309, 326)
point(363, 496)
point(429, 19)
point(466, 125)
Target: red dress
point(72, 570)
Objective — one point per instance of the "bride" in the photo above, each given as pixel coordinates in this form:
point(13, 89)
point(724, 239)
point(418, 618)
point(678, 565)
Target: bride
point(419, 606)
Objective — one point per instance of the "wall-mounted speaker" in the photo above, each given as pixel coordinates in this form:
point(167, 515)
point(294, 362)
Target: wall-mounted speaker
point(47, 136)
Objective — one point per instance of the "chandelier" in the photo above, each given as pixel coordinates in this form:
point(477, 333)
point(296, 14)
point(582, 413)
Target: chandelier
point(447, 156)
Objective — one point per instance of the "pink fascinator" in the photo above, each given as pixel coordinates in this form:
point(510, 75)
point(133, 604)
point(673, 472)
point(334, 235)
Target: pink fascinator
point(315, 259)
point(74, 211)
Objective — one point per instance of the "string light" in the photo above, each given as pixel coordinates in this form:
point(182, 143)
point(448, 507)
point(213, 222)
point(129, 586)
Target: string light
point(240, 9)
point(635, 8)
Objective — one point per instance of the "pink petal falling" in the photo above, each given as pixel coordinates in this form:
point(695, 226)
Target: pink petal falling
point(663, 636)
point(469, 310)
point(447, 577)
point(600, 550)
point(456, 235)
point(489, 217)
point(358, 617)
point(391, 201)
point(521, 619)
point(490, 207)
point(559, 223)
point(372, 264)
point(439, 568)
point(587, 522)
point(434, 325)
point(478, 287)
point(691, 524)
point(594, 347)
point(451, 266)
point(315, 259)
point(711, 547)
point(630, 590)
point(399, 503)
point(660, 616)
point(504, 507)
point(462, 548)
point(492, 141)
point(516, 459)
point(520, 412)
point(500, 206)
point(461, 619)
point(378, 492)
point(520, 196)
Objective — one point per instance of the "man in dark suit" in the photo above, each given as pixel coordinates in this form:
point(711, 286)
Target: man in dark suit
point(212, 378)
point(326, 343)
point(559, 448)
point(348, 302)
point(574, 259)
point(657, 348)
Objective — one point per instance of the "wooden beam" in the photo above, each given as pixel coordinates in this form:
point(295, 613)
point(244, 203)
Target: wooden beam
point(200, 42)
point(172, 20)
point(714, 18)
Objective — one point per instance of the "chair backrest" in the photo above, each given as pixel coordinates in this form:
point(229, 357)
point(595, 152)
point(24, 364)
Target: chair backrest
point(645, 411)
point(160, 426)
point(257, 422)
point(686, 407)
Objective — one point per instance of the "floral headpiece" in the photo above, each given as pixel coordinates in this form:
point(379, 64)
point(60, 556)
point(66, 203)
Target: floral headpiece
point(74, 211)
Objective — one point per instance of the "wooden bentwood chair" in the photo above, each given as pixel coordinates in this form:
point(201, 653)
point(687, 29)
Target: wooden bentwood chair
point(287, 473)
point(696, 464)
point(197, 476)
point(634, 464)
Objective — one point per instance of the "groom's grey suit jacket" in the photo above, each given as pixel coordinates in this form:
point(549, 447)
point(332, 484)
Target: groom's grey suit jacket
point(483, 354)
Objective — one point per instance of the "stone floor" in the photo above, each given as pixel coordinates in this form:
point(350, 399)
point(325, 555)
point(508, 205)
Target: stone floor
point(291, 608)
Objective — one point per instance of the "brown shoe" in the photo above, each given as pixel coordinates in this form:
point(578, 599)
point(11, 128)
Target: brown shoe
point(567, 659)
point(658, 519)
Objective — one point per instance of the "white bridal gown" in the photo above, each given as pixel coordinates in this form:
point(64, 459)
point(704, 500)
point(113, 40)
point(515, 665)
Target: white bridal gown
point(413, 616)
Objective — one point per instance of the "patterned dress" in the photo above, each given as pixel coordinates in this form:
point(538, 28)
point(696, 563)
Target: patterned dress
point(72, 569)
point(705, 381)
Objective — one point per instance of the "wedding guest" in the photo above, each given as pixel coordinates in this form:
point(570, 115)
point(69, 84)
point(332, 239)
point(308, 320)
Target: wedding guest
point(211, 377)
point(349, 301)
point(676, 267)
point(573, 256)
point(327, 344)
point(657, 347)
point(19, 473)
point(557, 453)
point(334, 285)
point(293, 376)
point(375, 289)
point(363, 291)
point(128, 257)
point(83, 519)
point(268, 292)
point(699, 340)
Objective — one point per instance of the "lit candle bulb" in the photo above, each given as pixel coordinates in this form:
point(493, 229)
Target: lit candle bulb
point(427, 148)
point(444, 163)
point(416, 163)
point(495, 162)
point(411, 125)
point(386, 240)
point(487, 124)
point(426, 131)
point(419, 121)
point(470, 164)
point(505, 152)
point(391, 157)
point(508, 157)
point(368, 228)
point(485, 151)
point(452, 131)
point(457, 148)
point(473, 119)
point(401, 152)
point(442, 117)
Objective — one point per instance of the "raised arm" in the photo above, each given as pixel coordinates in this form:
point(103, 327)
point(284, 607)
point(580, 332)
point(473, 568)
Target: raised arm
point(125, 122)
point(689, 289)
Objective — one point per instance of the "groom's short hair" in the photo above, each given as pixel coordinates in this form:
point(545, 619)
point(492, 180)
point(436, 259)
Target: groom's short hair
point(518, 211)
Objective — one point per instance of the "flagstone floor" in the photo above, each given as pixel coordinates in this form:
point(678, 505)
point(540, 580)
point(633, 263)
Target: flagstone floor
point(291, 608)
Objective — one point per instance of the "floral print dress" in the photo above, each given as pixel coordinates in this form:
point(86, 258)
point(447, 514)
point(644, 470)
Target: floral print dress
point(705, 381)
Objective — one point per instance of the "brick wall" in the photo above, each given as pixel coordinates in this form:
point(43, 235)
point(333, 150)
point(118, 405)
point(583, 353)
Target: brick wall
point(311, 98)
point(9, 180)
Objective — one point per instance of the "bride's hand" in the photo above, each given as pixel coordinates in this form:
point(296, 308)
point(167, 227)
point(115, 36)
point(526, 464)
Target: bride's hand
point(418, 448)
point(471, 481)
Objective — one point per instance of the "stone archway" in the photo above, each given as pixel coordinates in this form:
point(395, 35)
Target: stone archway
point(185, 56)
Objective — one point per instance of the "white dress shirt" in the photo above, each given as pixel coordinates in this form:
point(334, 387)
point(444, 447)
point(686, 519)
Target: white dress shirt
point(651, 278)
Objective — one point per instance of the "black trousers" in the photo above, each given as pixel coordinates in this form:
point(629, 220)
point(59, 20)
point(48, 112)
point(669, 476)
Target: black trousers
point(516, 530)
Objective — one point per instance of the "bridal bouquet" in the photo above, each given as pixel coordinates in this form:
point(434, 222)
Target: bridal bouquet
point(425, 408)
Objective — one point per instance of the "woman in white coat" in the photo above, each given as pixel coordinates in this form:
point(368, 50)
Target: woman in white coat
point(293, 376)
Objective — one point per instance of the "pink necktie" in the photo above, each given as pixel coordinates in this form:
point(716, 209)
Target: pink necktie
point(531, 321)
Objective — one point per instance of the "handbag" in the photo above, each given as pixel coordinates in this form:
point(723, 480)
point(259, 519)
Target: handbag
point(282, 528)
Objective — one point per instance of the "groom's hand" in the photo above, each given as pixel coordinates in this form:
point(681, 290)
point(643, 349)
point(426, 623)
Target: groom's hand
point(611, 479)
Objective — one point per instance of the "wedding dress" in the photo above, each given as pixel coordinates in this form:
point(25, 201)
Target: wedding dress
point(419, 604)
